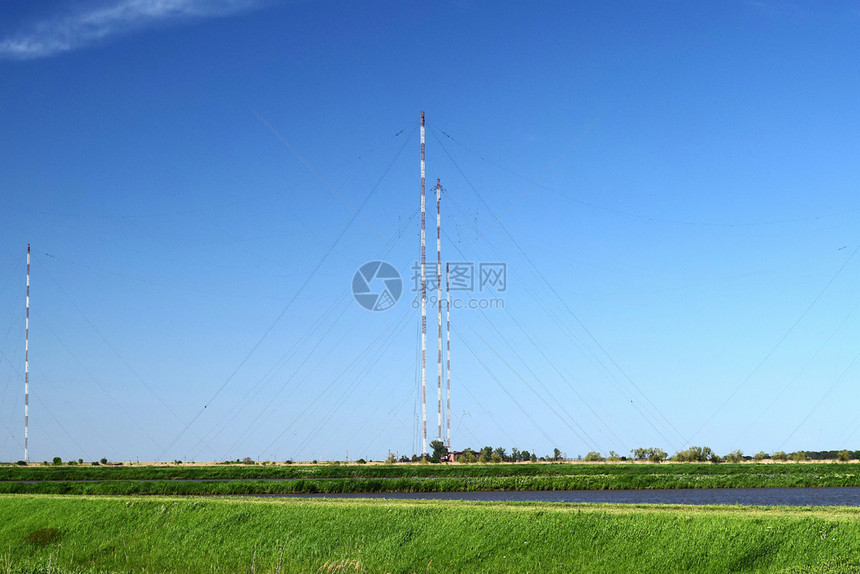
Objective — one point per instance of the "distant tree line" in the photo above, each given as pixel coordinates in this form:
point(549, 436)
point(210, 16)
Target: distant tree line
point(488, 454)
point(58, 461)
point(439, 452)
point(706, 454)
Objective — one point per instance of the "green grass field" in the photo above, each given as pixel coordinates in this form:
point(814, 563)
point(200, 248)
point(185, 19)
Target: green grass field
point(128, 480)
point(41, 532)
point(626, 469)
point(162, 534)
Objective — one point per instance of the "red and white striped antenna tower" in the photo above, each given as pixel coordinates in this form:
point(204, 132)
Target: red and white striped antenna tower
point(27, 367)
point(439, 297)
point(448, 344)
point(423, 306)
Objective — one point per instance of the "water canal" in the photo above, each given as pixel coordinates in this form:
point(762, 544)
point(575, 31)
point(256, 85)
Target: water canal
point(810, 496)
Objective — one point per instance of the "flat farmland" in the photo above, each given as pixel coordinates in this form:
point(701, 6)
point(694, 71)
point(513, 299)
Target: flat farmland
point(323, 478)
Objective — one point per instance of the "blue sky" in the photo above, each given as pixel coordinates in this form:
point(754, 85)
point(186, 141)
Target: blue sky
point(671, 187)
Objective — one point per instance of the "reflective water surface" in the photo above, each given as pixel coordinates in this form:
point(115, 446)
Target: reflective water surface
point(824, 496)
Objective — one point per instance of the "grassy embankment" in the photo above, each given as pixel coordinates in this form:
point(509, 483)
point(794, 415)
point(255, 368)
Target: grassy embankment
point(143, 472)
point(157, 534)
point(419, 478)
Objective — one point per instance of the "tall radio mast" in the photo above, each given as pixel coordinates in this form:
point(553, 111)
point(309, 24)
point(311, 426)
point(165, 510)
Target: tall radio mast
point(423, 307)
point(27, 367)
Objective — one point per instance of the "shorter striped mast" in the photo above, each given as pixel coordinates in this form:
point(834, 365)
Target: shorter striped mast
point(27, 367)
point(448, 344)
point(439, 297)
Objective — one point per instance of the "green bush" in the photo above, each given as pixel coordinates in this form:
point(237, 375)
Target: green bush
point(467, 457)
point(735, 456)
point(657, 455)
point(696, 454)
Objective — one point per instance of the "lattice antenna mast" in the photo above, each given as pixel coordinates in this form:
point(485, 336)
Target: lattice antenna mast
point(448, 344)
point(423, 306)
point(27, 367)
point(439, 298)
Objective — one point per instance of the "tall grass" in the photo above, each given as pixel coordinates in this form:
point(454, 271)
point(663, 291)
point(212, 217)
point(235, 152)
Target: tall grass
point(601, 476)
point(611, 478)
point(94, 534)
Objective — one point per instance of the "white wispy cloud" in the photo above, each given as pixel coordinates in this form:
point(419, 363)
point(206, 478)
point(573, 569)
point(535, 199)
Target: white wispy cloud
point(98, 23)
